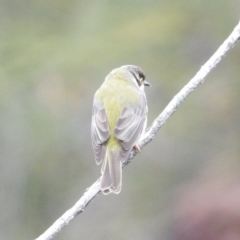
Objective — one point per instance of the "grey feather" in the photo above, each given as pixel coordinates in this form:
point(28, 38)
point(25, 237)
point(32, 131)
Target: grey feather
point(99, 131)
point(116, 173)
point(130, 126)
point(111, 173)
point(106, 177)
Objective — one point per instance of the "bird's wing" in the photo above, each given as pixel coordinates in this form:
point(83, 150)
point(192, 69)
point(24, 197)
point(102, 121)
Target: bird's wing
point(99, 130)
point(130, 126)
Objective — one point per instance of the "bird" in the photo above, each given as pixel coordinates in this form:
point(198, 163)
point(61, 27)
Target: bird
point(119, 118)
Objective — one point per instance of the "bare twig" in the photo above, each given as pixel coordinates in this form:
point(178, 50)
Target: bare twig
point(94, 190)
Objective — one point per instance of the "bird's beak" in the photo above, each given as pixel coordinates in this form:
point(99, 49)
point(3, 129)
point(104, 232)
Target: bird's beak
point(147, 84)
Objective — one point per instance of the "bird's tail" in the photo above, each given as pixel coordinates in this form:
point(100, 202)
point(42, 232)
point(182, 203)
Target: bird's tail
point(111, 173)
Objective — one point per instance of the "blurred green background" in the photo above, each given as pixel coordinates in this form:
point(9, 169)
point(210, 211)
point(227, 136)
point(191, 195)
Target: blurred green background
point(53, 57)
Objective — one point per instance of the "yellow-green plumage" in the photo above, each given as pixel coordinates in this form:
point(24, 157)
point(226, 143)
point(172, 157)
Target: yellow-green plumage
point(119, 116)
point(111, 94)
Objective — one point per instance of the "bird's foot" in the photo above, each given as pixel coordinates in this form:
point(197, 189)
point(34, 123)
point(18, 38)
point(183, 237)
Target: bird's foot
point(138, 149)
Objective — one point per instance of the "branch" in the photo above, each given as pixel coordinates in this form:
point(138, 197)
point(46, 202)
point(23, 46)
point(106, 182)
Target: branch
point(199, 78)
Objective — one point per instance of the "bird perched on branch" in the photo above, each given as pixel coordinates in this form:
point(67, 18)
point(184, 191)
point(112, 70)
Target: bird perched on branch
point(119, 117)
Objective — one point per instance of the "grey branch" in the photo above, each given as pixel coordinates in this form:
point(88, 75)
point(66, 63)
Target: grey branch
point(199, 78)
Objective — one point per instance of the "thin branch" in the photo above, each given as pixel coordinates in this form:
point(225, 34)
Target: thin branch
point(199, 78)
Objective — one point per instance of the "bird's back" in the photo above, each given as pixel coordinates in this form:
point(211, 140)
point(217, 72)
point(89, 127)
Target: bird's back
point(115, 94)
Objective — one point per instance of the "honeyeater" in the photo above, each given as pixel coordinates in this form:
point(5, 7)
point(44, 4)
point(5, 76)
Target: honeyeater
point(119, 118)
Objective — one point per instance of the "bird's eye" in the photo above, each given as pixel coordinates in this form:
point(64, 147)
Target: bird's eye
point(139, 81)
point(139, 77)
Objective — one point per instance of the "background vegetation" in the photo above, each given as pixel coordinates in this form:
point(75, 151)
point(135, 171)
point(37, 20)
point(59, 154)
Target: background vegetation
point(53, 57)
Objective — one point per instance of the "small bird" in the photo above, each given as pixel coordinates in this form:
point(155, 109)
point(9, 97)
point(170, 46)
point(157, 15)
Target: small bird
point(119, 118)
